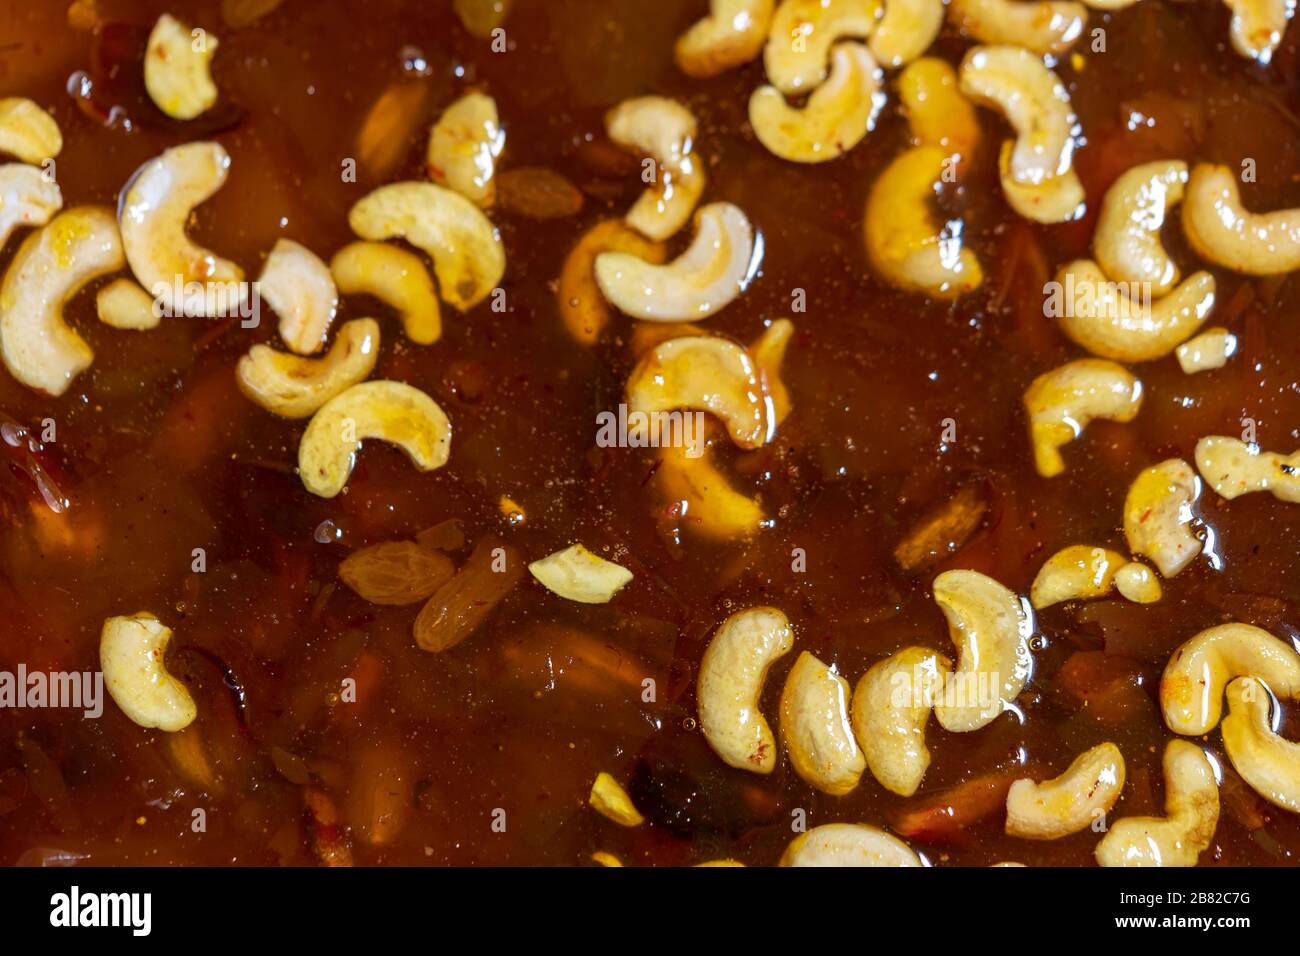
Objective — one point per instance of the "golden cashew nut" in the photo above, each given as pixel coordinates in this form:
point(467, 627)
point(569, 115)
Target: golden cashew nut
point(1076, 573)
point(1041, 26)
point(815, 727)
point(798, 49)
point(906, 31)
point(27, 198)
point(1059, 199)
point(27, 131)
point(398, 279)
point(155, 207)
point(1191, 816)
point(1222, 231)
point(1258, 25)
point(848, 844)
point(178, 69)
point(298, 286)
point(1209, 350)
point(391, 411)
point(664, 130)
point(769, 355)
point(131, 653)
point(708, 276)
point(1266, 760)
point(1191, 688)
point(576, 574)
point(1158, 512)
point(294, 387)
point(991, 630)
point(464, 146)
point(731, 34)
point(582, 305)
point(465, 247)
point(1234, 468)
point(1127, 242)
point(732, 672)
point(891, 706)
point(705, 498)
point(1062, 402)
point(122, 304)
point(1069, 803)
point(937, 112)
point(39, 348)
point(1138, 583)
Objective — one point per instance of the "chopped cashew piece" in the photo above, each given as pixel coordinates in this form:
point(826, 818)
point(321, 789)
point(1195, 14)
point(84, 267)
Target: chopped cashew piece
point(835, 118)
point(156, 206)
point(582, 305)
point(732, 34)
point(27, 131)
point(1191, 816)
point(848, 844)
point(395, 277)
point(610, 800)
point(798, 48)
point(1040, 26)
point(1209, 350)
point(1258, 25)
point(1076, 573)
point(299, 287)
point(131, 653)
point(465, 247)
point(178, 68)
point(906, 31)
point(1121, 322)
point(730, 681)
point(1069, 803)
point(1127, 242)
point(1222, 231)
point(704, 499)
point(891, 706)
point(1062, 402)
point(606, 859)
point(1158, 514)
point(1234, 468)
point(663, 130)
point(937, 112)
point(39, 348)
point(815, 727)
point(1266, 760)
point(464, 146)
point(27, 198)
point(294, 387)
point(391, 411)
point(576, 574)
point(122, 304)
point(1138, 583)
point(1191, 689)
point(709, 275)
point(991, 630)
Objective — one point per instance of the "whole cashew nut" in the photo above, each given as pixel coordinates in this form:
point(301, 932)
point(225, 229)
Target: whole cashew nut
point(1127, 242)
point(730, 681)
point(131, 653)
point(1059, 199)
point(582, 305)
point(178, 69)
point(298, 286)
point(27, 131)
point(1041, 26)
point(1266, 760)
point(294, 387)
point(397, 278)
point(798, 47)
point(1209, 350)
point(27, 198)
point(1062, 402)
point(122, 304)
point(664, 130)
point(1234, 468)
point(815, 727)
point(937, 112)
point(1069, 803)
point(1158, 512)
point(704, 497)
point(1222, 231)
point(464, 146)
point(906, 31)
point(891, 706)
point(1076, 573)
point(1258, 25)
point(848, 844)
point(731, 34)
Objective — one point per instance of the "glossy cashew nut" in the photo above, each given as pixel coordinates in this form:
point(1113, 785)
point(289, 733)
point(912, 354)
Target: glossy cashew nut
point(299, 287)
point(1138, 583)
point(131, 651)
point(464, 146)
point(1234, 468)
point(991, 630)
point(664, 130)
point(1191, 816)
point(731, 34)
point(27, 131)
point(39, 348)
point(465, 247)
point(1266, 760)
point(1221, 230)
point(1062, 402)
point(732, 672)
point(1127, 242)
point(704, 497)
point(1059, 199)
point(1191, 689)
point(891, 706)
point(582, 304)
point(815, 727)
point(1258, 25)
point(27, 198)
point(178, 69)
point(577, 574)
point(1041, 26)
point(122, 304)
point(294, 387)
point(835, 118)
point(1158, 513)
point(708, 276)
point(1206, 351)
point(798, 49)
point(391, 411)
point(937, 112)
point(1069, 803)
point(397, 278)
point(906, 31)
point(610, 800)
point(768, 352)
point(848, 844)
point(1076, 573)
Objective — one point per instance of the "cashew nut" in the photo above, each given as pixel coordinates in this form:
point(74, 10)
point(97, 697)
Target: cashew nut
point(815, 727)
point(298, 286)
point(27, 131)
point(1234, 468)
point(1158, 514)
point(27, 198)
point(769, 354)
point(848, 844)
point(906, 30)
point(937, 113)
point(178, 69)
point(153, 212)
point(664, 130)
point(1191, 816)
point(732, 672)
point(1258, 25)
point(1127, 242)
point(465, 247)
point(1041, 26)
point(710, 274)
point(576, 574)
point(1061, 403)
point(294, 387)
point(991, 630)
point(391, 411)
point(1209, 350)
point(610, 800)
point(1059, 199)
point(1222, 231)
point(1076, 573)
point(397, 278)
point(464, 146)
point(582, 306)
point(1069, 803)
point(131, 653)
point(122, 304)
point(703, 497)
point(1138, 583)
point(835, 118)
point(1191, 688)
point(731, 34)
point(1266, 760)
point(891, 706)
point(799, 45)
point(39, 348)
